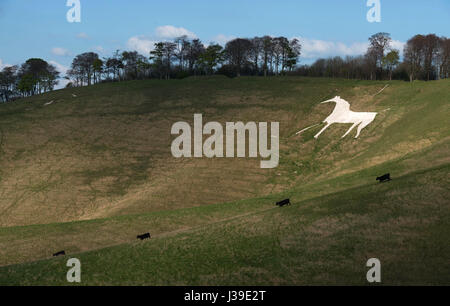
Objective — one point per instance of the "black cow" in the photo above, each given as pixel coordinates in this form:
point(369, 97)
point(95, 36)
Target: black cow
point(384, 178)
point(60, 253)
point(144, 236)
point(284, 202)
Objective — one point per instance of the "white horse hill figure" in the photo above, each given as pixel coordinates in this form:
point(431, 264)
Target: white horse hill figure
point(343, 114)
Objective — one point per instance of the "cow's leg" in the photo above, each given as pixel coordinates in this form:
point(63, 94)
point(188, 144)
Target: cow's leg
point(363, 125)
point(321, 131)
point(350, 129)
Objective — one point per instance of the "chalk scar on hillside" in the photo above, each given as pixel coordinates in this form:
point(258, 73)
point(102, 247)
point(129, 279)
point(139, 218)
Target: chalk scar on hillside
point(343, 114)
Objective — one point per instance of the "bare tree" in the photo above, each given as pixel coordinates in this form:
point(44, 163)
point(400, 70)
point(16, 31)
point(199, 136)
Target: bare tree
point(444, 58)
point(430, 54)
point(379, 44)
point(114, 65)
point(413, 55)
point(8, 82)
point(83, 64)
point(255, 53)
point(193, 53)
point(182, 45)
point(279, 44)
point(267, 51)
point(370, 63)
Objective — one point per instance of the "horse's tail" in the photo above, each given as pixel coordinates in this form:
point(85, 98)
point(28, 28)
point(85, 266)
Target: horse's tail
point(305, 129)
point(381, 90)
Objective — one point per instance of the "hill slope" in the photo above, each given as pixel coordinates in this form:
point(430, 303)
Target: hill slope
point(104, 155)
point(324, 240)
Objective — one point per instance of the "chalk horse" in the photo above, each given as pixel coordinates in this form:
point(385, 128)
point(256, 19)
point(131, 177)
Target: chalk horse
point(343, 114)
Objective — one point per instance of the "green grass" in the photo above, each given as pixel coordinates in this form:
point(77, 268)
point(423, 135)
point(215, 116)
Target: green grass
point(88, 174)
point(324, 240)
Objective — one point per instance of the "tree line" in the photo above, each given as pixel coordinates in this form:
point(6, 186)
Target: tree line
point(184, 57)
point(425, 57)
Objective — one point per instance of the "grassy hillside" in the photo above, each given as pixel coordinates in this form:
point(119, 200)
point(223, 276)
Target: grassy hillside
point(87, 173)
point(324, 240)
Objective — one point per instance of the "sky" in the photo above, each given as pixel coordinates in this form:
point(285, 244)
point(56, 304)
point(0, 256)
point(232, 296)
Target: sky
point(39, 28)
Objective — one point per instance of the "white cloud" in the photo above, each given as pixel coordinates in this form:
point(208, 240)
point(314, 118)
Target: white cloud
point(3, 65)
point(144, 44)
point(141, 44)
point(222, 39)
point(62, 83)
point(82, 35)
point(169, 32)
point(60, 51)
point(311, 48)
point(399, 45)
point(314, 48)
point(99, 49)
point(61, 68)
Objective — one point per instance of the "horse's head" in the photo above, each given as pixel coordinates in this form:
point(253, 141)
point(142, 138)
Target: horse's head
point(335, 100)
point(340, 103)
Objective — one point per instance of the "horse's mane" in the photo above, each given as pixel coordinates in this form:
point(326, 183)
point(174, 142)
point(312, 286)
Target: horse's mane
point(341, 103)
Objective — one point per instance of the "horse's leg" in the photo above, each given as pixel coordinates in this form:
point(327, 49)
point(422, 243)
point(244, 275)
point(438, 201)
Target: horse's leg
point(352, 127)
point(321, 131)
point(363, 125)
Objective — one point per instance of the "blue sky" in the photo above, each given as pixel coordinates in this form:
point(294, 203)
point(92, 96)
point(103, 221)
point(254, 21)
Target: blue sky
point(38, 28)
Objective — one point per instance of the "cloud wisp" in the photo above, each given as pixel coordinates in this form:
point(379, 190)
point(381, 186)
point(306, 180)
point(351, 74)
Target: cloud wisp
point(222, 39)
point(145, 43)
point(62, 82)
point(3, 65)
point(82, 35)
point(170, 32)
point(61, 68)
point(141, 44)
point(60, 51)
point(315, 48)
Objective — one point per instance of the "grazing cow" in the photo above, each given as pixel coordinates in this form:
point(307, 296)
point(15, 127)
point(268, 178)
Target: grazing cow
point(143, 236)
point(384, 178)
point(284, 202)
point(60, 253)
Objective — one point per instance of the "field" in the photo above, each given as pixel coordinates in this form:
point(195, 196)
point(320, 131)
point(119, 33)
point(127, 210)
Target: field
point(92, 169)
